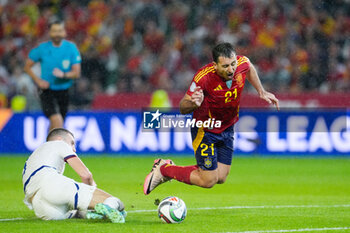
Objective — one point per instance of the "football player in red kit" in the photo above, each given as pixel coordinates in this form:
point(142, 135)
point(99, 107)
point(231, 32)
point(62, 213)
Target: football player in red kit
point(214, 93)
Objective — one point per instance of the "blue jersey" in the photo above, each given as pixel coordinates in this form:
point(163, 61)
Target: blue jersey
point(51, 57)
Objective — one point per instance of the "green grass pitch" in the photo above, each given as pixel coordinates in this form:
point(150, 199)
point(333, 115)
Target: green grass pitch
point(263, 194)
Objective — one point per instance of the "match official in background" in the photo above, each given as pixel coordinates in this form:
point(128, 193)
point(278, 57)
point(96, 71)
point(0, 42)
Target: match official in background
point(60, 64)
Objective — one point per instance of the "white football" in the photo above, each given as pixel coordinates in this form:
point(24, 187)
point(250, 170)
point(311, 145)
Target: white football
point(172, 210)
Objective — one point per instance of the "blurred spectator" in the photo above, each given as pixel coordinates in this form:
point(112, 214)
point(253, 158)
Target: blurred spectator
point(144, 45)
point(81, 95)
point(25, 87)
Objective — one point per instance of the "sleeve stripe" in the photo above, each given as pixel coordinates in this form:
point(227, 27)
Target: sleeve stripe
point(242, 63)
point(68, 157)
point(202, 71)
point(200, 74)
point(197, 78)
point(242, 60)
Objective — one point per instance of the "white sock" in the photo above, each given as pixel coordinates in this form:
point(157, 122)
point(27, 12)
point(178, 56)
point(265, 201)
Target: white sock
point(114, 203)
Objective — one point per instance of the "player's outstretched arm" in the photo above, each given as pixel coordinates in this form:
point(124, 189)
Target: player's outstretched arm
point(189, 103)
point(253, 78)
point(80, 168)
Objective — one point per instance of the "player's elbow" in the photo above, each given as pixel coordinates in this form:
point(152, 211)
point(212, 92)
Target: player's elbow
point(181, 107)
point(183, 110)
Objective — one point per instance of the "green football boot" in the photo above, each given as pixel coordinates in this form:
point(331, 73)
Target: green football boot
point(112, 214)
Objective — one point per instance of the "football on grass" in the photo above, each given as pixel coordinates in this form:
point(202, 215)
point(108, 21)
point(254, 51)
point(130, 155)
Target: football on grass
point(172, 210)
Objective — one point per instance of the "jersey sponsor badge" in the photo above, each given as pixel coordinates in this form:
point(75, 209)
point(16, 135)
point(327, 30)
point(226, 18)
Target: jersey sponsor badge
point(193, 86)
point(65, 64)
point(207, 162)
point(239, 80)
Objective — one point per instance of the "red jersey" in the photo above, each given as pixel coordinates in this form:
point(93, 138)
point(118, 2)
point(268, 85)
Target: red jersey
point(220, 101)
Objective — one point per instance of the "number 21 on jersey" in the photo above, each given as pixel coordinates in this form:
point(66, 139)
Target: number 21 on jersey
point(205, 147)
point(230, 95)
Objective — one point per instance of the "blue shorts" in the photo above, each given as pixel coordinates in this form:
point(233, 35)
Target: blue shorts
point(211, 148)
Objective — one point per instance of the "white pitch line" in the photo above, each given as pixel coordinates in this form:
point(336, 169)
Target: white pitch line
point(10, 219)
point(141, 211)
point(297, 230)
point(227, 208)
point(254, 207)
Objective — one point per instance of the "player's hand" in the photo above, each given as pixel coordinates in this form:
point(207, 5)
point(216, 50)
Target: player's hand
point(197, 96)
point(58, 73)
point(270, 98)
point(42, 84)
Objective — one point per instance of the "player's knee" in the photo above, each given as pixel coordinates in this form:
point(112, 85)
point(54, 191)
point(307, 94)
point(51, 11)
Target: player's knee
point(222, 175)
point(46, 210)
point(209, 182)
point(222, 178)
point(208, 185)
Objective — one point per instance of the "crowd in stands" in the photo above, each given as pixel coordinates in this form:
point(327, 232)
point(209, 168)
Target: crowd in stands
point(143, 45)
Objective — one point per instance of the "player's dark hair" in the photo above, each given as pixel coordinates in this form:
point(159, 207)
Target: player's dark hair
point(54, 22)
point(58, 132)
point(223, 50)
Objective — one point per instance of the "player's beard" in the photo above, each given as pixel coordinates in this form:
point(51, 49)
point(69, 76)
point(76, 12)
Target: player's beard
point(57, 40)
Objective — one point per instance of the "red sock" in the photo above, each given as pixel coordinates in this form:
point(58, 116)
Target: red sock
point(179, 173)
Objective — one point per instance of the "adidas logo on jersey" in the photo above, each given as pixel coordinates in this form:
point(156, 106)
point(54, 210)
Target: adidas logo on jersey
point(218, 88)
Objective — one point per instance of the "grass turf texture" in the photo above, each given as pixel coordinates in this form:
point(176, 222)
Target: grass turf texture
point(252, 182)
